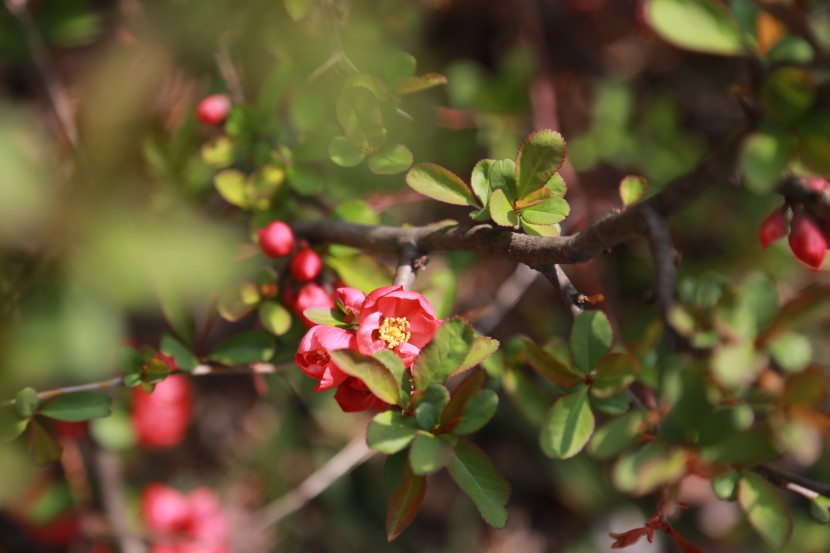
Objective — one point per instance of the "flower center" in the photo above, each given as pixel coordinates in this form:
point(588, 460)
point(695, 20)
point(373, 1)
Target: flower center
point(394, 331)
point(319, 357)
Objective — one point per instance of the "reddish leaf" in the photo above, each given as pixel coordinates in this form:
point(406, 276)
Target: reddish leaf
point(681, 542)
point(468, 387)
point(628, 538)
point(405, 503)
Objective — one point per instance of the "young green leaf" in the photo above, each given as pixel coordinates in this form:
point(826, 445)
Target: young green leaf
point(765, 509)
point(390, 432)
point(763, 159)
point(390, 160)
point(649, 467)
point(439, 184)
point(429, 452)
point(430, 406)
point(77, 407)
point(400, 66)
point(231, 185)
point(501, 210)
point(274, 317)
point(503, 177)
point(170, 345)
point(591, 337)
point(445, 355)
point(632, 189)
point(477, 412)
point(540, 230)
point(548, 366)
point(374, 374)
point(343, 153)
point(616, 436)
point(568, 425)
point(26, 402)
point(699, 25)
point(483, 347)
point(480, 180)
point(615, 372)
point(359, 114)
point(539, 157)
point(725, 486)
point(406, 502)
point(548, 212)
point(253, 346)
point(395, 365)
point(129, 360)
point(475, 474)
point(324, 316)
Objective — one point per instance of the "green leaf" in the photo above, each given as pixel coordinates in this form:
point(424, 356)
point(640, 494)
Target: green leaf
point(699, 25)
point(395, 365)
point(26, 402)
point(359, 114)
point(404, 505)
point(591, 337)
point(129, 360)
point(632, 189)
point(736, 364)
point(568, 426)
point(548, 366)
point(421, 82)
point(787, 93)
point(480, 180)
point(401, 66)
point(725, 486)
point(475, 474)
point(792, 352)
point(765, 509)
point(814, 142)
point(391, 160)
point(548, 212)
point(444, 355)
point(254, 346)
point(306, 181)
point(614, 405)
point(429, 452)
point(115, 433)
point(374, 374)
point(390, 432)
point(747, 447)
point(820, 509)
point(808, 389)
point(615, 372)
point(431, 405)
point(649, 467)
point(540, 157)
point(439, 184)
point(11, 425)
point(77, 407)
point(359, 271)
point(454, 411)
point(764, 157)
point(617, 436)
point(501, 210)
point(275, 317)
point(483, 347)
point(343, 153)
point(170, 345)
point(556, 185)
point(231, 185)
point(298, 9)
point(43, 448)
point(540, 230)
point(477, 412)
point(503, 177)
point(219, 153)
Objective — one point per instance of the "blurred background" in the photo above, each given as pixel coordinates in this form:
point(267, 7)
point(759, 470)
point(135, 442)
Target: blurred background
point(114, 230)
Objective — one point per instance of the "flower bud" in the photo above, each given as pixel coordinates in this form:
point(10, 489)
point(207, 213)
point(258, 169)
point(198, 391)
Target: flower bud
point(306, 265)
point(311, 295)
point(213, 110)
point(276, 240)
point(773, 228)
point(819, 184)
point(807, 242)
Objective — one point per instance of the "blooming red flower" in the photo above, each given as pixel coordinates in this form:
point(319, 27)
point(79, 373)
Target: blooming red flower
point(353, 396)
point(161, 418)
point(349, 300)
point(396, 319)
point(313, 354)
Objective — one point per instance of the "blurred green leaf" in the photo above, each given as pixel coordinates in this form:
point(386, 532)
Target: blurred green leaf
point(390, 432)
point(275, 317)
point(253, 346)
point(404, 505)
point(26, 402)
point(591, 337)
point(219, 154)
point(439, 184)
point(787, 93)
point(478, 411)
point(820, 509)
point(115, 433)
point(748, 447)
point(539, 157)
point(77, 407)
point(359, 271)
point(359, 114)
point(614, 373)
point(11, 425)
point(429, 452)
point(170, 345)
point(764, 157)
point(698, 25)
point(475, 474)
point(43, 448)
point(444, 355)
point(652, 465)
point(568, 425)
point(736, 364)
point(632, 189)
point(343, 153)
point(374, 374)
point(400, 66)
point(298, 9)
point(725, 486)
point(792, 352)
point(765, 509)
point(390, 160)
point(548, 366)
point(617, 435)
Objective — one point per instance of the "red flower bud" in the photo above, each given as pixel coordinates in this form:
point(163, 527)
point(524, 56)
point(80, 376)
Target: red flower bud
point(311, 295)
point(276, 240)
point(807, 242)
point(214, 109)
point(160, 419)
point(165, 509)
point(819, 184)
point(773, 228)
point(306, 265)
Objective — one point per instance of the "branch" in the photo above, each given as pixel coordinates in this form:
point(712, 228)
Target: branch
point(665, 261)
point(487, 239)
point(793, 482)
point(570, 295)
point(409, 263)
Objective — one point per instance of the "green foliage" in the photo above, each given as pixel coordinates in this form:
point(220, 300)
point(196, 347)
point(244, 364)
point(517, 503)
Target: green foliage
point(77, 407)
point(445, 355)
point(374, 374)
point(765, 509)
point(590, 339)
point(254, 346)
point(699, 25)
point(632, 189)
point(568, 425)
point(475, 474)
point(405, 504)
point(391, 432)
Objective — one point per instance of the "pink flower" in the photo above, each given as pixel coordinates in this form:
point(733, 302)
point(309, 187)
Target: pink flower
point(311, 295)
point(350, 300)
point(353, 396)
point(396, 319)
point(313, 354)
point(161, 418)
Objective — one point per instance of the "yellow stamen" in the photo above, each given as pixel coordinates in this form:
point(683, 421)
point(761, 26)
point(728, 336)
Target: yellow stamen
point(394, 331)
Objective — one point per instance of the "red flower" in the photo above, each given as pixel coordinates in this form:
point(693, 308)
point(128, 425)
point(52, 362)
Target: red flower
point(396, 319)
point(193, 523)
point(349, 300)
point(166, 511)
point(807, 242)
point(311, 295)
point(353, 396)
point(161, 419)
point(313, 354)
point(773, 228)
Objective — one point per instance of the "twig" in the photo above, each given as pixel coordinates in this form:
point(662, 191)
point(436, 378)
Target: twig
point(58, 97)
point(352, 455)
point(112, 486)
point(570, 295)
point(409, 262)
point(665, 261)
point(793, 482)
point(487, 239)
point(506, 298)
point(228, 70)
